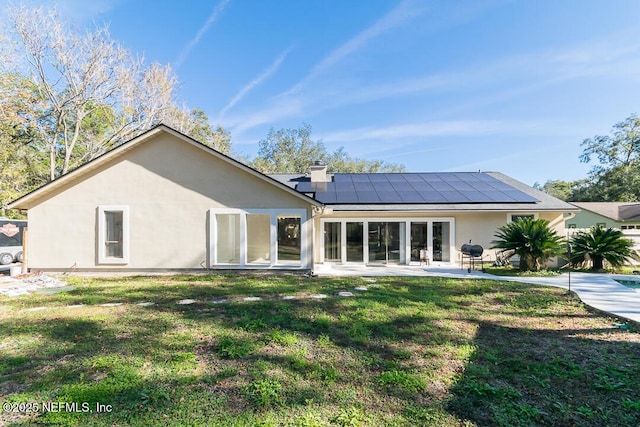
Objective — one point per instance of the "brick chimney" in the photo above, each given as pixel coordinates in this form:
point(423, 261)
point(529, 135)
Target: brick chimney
point(318, 172)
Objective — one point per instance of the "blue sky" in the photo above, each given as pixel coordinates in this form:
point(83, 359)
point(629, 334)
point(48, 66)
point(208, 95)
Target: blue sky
point(509, 86)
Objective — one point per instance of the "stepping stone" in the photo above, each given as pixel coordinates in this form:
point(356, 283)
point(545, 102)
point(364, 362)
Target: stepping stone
point(36, 309)
point(249, 299)
point(318, 296)
point(345, 294)
point(14, 292)
point(220, 301)
point(289, 297)
point(186, 301)
point(51, 291)
point(75, 306)
point(146, 304)
point(361, 288)
point(112, 304)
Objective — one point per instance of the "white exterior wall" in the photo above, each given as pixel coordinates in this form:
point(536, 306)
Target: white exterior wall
point(169, 186)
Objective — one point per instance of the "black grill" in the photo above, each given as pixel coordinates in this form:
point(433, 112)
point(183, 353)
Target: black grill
point(472, 253)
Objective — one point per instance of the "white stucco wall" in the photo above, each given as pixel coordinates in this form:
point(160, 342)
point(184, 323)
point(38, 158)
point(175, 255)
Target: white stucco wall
point(169, 186)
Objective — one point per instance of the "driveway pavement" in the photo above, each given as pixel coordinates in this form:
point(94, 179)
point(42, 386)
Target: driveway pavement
point(600, 291)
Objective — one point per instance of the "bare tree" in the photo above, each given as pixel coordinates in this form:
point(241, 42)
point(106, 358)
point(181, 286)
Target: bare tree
point(92, 94)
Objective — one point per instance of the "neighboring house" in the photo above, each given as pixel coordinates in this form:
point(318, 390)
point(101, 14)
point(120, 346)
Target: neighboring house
point(624, 216)
point(164, 201)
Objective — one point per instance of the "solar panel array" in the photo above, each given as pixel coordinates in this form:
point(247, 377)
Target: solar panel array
point(437, 187)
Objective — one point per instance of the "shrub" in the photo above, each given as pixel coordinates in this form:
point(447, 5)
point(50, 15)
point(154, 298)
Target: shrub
point(599, 244)
point(531, 239)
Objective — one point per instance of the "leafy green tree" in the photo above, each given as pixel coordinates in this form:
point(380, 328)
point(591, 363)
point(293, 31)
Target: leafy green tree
point(557, 188)
point(293, 151)
point(202, 131)
point(531, 239)
point(616, 175)
point(600, 244)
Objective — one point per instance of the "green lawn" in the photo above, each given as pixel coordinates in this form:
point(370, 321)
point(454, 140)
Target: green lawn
point(405, 352)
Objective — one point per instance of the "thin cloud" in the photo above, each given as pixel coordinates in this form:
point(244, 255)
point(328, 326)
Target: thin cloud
point(217, 10)
point(425, 129)
point(288, 103)
point(444, 128)
point(402, 13)
point(255, 82)
point(614, 56)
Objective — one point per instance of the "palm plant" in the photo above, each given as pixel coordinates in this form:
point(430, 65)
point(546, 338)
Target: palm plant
point(531, 239)
point(599, 244)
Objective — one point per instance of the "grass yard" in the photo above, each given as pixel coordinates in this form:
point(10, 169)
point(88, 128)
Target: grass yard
point(405, 352)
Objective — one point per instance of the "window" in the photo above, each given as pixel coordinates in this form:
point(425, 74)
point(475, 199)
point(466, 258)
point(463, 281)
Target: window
point(332, 241)
point(258, 237)
point(515, 217)
point(228, 238)
point(289, 239)
point(113, 235)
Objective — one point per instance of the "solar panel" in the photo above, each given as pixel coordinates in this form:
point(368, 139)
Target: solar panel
point(346, 197)
point(368, 197)
point(396, 177)
point(441, 187)
point(402, 186)
point(409, 196)
point(454, 197)
point(413, 177)
point(476, 196)
point(378, 177)
point(342, 177)
point(383, 186)
point(388, 196)
point(460, 185)
point(360, 177)
point(344, 186)
point(431, 196)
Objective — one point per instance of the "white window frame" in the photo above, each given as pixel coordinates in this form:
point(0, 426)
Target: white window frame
point(273, 232)
point(407, 248)
point(102, 253)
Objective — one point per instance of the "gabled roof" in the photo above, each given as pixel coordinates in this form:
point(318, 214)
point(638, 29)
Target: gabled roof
point(25, 201)
point(432, 191)
point(617, 211)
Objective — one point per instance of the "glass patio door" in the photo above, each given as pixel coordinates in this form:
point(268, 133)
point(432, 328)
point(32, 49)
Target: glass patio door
point(384, 242)
point(441, 241)
point(418, 239)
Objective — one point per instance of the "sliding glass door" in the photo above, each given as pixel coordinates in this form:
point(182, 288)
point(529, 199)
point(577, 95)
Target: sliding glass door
point(384, 242)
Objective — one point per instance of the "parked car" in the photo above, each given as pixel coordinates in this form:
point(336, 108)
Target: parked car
point(11, 232)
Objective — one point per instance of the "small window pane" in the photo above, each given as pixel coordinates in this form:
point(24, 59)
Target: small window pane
point(228, 238)
point(355, 245)
point(113, 234)
point(332, 241)
point(517, 217)
point(259, 238)
point(288, 238)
